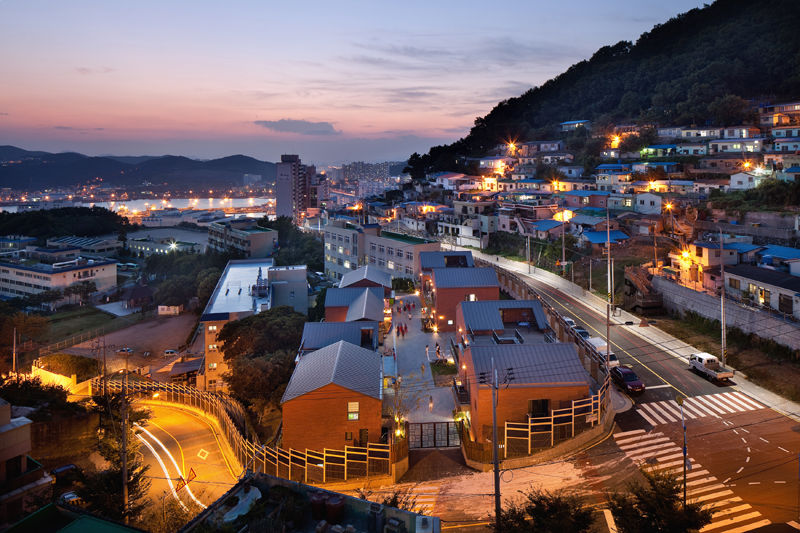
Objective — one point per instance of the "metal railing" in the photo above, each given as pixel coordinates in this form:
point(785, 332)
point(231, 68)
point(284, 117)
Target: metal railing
point(307, 466)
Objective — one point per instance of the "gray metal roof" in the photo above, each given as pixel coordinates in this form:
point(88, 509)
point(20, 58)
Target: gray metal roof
point(533, 364)
point(485, 315)
point(430, 260)
point(344, 297)
point(367, 306)
point(317, 335)
point(449, 278)
point(366, 272)
point(342, 363)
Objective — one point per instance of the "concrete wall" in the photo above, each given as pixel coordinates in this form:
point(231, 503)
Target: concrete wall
point(680, 299)
point(51, 378)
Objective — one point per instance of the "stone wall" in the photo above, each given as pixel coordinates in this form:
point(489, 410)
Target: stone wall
point(678, 298)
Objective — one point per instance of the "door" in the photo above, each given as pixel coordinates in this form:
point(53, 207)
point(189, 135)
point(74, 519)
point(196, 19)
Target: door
point(539, 408)
point(363, 437)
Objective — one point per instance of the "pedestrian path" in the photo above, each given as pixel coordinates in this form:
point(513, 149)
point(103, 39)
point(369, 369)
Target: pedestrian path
point(709, 405)
point(425, 497)
point(660, 454)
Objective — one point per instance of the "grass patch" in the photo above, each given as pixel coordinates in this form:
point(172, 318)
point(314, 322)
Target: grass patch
point(77, 320)
point(774, 367)
point(443, 372)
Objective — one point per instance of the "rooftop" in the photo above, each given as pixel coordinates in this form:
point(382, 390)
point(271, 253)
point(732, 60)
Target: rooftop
point(366, 272)
point(601, 237)
point(545, 364)
point(404, 238)
point(233, 292)
point(451, 278)
point(317, 335)
point(781, 252)
point(336, 297)
point(766, 275)
point(488, 315)
point(430, 260)
point(341, 363)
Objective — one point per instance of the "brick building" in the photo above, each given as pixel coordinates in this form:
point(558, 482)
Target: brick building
point(354, 303)
point(451, 286)
point(334, 399)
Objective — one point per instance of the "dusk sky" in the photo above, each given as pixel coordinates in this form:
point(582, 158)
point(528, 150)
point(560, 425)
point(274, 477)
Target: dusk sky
point(331, 81)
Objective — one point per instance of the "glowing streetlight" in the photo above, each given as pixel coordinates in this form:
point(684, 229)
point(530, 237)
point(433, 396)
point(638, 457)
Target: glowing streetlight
point(564, 216)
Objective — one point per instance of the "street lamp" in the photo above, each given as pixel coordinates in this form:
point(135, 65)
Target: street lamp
point(564, 216)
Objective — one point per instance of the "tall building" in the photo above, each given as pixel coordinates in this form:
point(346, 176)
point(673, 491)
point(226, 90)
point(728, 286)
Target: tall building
point(242, 235)
point(293, 182)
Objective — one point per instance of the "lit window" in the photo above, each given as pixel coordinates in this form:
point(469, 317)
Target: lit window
point(212, 366)
point(473, 298)
point(212, 347)
point(352, 410)
point(390, 265)
point(347, 264)
point(212, 328)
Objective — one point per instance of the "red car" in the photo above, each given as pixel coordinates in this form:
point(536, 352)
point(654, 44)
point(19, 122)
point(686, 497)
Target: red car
point(627, 380)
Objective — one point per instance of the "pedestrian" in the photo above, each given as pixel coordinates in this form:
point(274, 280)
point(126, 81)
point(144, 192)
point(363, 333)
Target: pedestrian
point(413, 305)
point(409, 316)
point(426, 352)
point(438, 351)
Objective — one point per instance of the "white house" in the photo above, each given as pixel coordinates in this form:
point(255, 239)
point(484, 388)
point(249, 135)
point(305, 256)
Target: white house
point(701, 133)
point(735, 146)
point(740, 132)
point(781, 132)
point(647, 203)
point(692, 149)
point(787, 144)
point(669, 132)
point(747, 180)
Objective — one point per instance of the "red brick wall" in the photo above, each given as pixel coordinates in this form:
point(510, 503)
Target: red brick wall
point(318, 420)
point(446, 301)
point(387, 291)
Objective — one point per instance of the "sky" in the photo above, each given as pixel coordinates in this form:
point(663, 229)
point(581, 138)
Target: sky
point(333, 81)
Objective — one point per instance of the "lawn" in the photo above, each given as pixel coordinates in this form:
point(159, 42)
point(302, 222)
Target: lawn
point(76, 320)
point(443, 373)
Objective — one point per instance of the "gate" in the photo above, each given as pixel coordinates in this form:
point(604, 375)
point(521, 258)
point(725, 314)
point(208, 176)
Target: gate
point(433, 435)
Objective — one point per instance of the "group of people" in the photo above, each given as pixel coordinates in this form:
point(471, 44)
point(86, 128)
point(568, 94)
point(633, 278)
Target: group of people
point(401, 308)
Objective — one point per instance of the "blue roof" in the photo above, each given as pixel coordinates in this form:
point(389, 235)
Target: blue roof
point(587, 193)
point(545, 225)
point(792, 170)
point(574, 122)
point(784, 139)
point(782, 252)
point(599, 237)
point(612, 166)
point(742, 247)
point(662, 146)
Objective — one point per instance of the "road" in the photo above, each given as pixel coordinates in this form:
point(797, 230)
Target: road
point(176, 442)
point(745, 455)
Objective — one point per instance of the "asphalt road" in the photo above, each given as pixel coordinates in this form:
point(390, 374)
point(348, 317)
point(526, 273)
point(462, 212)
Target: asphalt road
point(177, 442)
point(749, 452)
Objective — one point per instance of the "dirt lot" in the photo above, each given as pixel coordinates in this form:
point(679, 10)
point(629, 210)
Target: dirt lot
point(154, 335)
point(781, 377)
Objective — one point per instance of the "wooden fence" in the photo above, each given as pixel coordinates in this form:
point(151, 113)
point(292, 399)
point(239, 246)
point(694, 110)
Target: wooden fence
point(307, 466)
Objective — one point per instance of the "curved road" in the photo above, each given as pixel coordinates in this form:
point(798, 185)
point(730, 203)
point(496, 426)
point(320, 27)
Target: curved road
point(175, 442)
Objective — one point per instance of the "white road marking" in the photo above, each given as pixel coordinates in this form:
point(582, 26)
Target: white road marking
point(746, 399)
point(781, 449)
point(738, 471)
point(746, 460)
point(762, 438)
point(626, 433)
point(665, 386)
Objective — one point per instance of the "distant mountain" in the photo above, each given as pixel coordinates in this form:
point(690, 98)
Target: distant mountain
point(694, 68)
point(131, 159)
point(23, 169)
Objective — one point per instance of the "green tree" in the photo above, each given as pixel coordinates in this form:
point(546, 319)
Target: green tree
point(260, 381)
point(656, 507)
point(175, 291)
point(417, 166)
point(317, 311)
point(543, 511)
point(731, 110)
point(262, 333)
point(102, 489)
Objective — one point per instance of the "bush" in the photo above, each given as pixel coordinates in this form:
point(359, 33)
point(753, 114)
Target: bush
point(403, 284)
point(67, 364)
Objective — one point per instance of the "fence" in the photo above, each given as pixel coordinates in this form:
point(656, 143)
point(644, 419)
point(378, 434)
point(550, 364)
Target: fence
point(307, 466)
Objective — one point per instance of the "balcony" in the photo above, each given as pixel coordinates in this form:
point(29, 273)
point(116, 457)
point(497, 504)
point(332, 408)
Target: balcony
point(33, 473)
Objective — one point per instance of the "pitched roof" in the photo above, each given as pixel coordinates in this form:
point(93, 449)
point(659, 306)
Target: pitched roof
point(587, 193)
point(766, 275)
point(546, 225)
point(450, 278)
point(367, 306)
point(430, 260)
point(600, 237)
point(742, 247)
point(587, 219)
point(335, 297)
point(342, 363)
point(533, 364)
point(366, 272)
point(485, 315)
point(782, 252)
point(317, 335)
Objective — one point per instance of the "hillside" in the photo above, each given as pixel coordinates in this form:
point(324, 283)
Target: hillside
point(678, 73)
point(35, 170)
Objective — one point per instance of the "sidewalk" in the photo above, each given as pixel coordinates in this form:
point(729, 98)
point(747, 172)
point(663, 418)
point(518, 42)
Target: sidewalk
point(413, 366)
point(651, 334)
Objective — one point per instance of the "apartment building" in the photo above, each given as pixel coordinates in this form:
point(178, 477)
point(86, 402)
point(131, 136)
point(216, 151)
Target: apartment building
point(246, 287)
point(243, 236)
point(348, 246)
point(293, 187)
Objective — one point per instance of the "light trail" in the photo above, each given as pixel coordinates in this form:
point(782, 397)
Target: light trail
point(164, 468)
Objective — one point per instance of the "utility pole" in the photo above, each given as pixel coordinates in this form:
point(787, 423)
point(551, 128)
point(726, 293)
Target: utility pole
point(722, 299)
point(14, 354)
point(590, 274)
point(105, 370)
point(608, 286)
point(679, 399)
point(528, 252)
point(497, 508)
point(655, 250)
point(125, 442)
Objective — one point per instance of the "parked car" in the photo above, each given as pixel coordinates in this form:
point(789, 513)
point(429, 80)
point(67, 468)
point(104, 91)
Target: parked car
point(582, 332)
point(627, 380)
point(71, 498)
point(600, 346)
point(65, 474)
point(125, 350)
point(170, 353)
point(569, 322)
point(709, 367)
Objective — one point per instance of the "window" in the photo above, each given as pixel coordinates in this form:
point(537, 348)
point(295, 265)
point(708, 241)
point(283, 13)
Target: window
point(352, 410)
point(212, 366)
point(327, 246)
point(390, 251)
point(372, 259)
point(390, 265)
point(340, 250)
point(372, 246)
point(212, 348)
point(733, 283)
point(212, 328)
point(472, 298)
point(347, 264)
point(381, 249)
point(348, 435)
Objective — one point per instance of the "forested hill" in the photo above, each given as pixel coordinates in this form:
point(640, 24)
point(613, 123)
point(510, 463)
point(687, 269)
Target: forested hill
point(677, 73)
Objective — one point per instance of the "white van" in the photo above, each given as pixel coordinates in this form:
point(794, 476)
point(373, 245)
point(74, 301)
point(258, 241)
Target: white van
point(600, 346)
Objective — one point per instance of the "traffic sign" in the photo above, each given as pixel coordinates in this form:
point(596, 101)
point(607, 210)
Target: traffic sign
point(183, 482)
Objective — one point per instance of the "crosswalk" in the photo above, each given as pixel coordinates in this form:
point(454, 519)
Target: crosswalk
point(659, 453)
point(709, 405)
point(425, 496)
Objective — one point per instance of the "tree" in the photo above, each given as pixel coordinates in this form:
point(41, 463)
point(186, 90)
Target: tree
point(417, 166)
point(263, 333)
point(260, 381)
point(168, 514)
point(731, 110)
point(175, 291)
point(656, 507)
point(543, 511)
point(317, 312)
point(103, 489)
point(85, 289)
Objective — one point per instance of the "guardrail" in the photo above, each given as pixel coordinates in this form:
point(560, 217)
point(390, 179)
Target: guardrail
point(306, 466)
